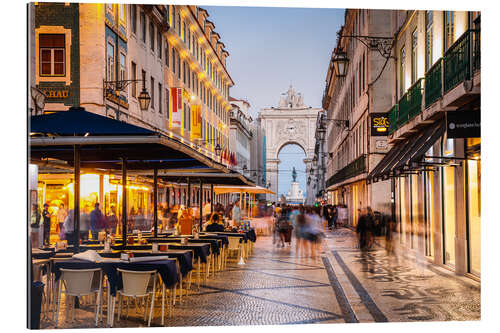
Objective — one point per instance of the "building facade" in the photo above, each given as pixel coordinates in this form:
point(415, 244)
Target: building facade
point(291, 122)
point(101, 57)
point(435, 160)
point(82, 50)
point(258, 155)
point(352, 102)
point(240, 135)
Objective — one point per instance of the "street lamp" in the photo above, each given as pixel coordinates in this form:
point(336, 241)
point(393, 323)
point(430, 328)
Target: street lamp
point(218, 150)
point(144, 99)
point(117, 86)
point(340, 62)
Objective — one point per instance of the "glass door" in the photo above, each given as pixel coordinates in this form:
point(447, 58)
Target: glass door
point(449, 214)
point(474, 197)
point(429, 213)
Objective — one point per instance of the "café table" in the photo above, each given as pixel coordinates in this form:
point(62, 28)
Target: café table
point(167, 269)
point(201, 254)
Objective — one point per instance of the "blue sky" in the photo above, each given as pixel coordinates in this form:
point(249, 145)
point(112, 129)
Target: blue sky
point(271, 48)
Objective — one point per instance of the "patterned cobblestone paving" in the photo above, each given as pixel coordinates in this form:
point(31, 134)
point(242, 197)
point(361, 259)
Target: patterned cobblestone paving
point(344, 285)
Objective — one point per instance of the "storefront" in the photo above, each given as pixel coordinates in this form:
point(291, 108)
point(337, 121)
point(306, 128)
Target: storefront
point(436, 178)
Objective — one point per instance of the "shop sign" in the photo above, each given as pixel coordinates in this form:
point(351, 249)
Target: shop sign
point(176, 107)
point(55, 94)
point(379, 124)
point(463, 124)
point(196, 121)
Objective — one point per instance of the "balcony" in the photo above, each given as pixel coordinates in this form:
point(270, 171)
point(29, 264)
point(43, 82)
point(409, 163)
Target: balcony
point(356, 167)
point(433, 83)
point(457, 60)
point(393, 117)
point(410, 104)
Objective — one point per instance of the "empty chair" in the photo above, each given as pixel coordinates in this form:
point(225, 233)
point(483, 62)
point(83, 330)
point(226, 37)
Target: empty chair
point(77, 283)
point(137, 284)
point(234, 245)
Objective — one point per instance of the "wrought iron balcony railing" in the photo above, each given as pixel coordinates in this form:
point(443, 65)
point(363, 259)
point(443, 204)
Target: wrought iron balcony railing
point(433, 83)
point(356, 167)
point(456, 63)
point(393, 117)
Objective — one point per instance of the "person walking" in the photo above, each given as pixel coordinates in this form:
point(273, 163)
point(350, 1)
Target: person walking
point(35, 226)
point(60, 217)
point(207, 210)
point(364, 228)
point(236, 213)
point(95, 221)
point(69, 227)
point(84, 223)
point(46, 214)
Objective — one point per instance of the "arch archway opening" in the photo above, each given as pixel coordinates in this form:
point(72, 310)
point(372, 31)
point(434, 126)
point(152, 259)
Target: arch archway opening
point(291, 155)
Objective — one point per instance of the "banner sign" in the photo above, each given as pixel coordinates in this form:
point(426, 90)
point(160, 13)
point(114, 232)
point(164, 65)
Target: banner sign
point(379, 124)
point(196, 121)
point(463, 124)
point(176, 107)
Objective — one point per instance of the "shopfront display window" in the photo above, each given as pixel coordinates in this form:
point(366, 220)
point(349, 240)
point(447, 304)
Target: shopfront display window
point(404, 213)
point(474, 204)
point(449, 214)
point(429, 213)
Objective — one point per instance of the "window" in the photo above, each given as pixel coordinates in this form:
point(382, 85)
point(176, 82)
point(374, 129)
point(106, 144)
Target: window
point(173, 17)
point(143, 77)
point(167, 100)
point(449, 29)
point(402, 56)
point(52, 54)
point(143, 26)
point(178, 66)
point(110, 70)
point(184, 31)
point(152, 93)
point(414, 60)
point(184, 71)
point(428, 40)
point(160, 37)
point(133, 18)
point(160, 102)
point(152, 36)
point(133, 75)
point(122, 66)
point(173, 60)
point(167, 54)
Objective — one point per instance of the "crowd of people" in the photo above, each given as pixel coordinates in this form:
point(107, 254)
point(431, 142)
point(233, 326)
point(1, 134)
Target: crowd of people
point(307, 224)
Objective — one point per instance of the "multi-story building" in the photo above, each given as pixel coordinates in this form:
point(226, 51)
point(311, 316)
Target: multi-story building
point(435, 160)
point(352, 101)
point(81, 50)
point(258, 155)
point(102, 56)
point(240, 134)
point(316, 180)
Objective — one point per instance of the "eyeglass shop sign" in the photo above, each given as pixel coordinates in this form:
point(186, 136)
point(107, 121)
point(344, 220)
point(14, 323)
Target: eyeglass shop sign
point(463, 124)
point(379, 124)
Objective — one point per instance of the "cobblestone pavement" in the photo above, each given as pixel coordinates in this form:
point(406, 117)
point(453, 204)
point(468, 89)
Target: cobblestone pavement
point(343, 285)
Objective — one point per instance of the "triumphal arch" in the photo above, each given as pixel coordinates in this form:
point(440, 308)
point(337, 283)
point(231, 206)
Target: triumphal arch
point(291, 122)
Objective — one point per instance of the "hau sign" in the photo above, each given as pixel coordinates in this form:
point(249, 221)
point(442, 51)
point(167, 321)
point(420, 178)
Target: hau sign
point(379, 124)
point(55, 94)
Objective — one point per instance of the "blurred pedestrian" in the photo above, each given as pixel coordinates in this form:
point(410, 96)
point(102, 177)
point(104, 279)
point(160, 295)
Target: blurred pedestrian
point(60, 217)
point(46, 214)
point(364, 229)
point(236, 213)
point(35, 225)
point(85, 223)
point(96, 219)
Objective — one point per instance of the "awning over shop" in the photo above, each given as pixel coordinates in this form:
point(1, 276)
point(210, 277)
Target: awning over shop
point(104, 142)
point(240, 189)
point(232, 178)
point(402, 156)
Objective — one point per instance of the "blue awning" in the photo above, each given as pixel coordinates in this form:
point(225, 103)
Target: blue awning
point(77, 121)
